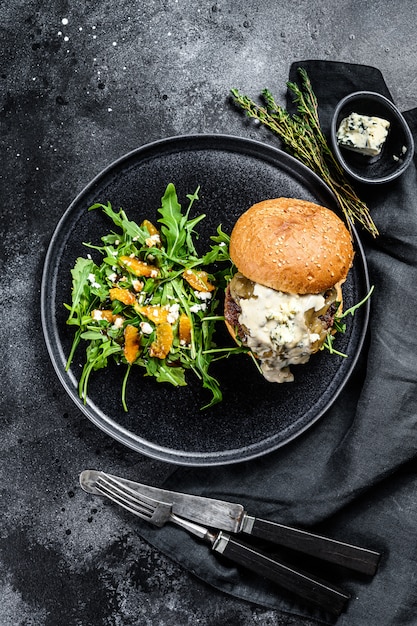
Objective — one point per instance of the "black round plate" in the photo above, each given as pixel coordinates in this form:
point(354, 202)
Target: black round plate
point(165, 422)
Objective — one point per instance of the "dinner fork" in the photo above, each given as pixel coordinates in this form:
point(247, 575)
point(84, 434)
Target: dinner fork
point(310, 588)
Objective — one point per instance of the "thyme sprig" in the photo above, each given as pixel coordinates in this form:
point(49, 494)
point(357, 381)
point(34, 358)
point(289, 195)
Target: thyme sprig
point(303, 137)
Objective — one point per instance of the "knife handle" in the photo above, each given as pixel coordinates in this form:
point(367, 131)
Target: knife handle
point(310, 588)
point(354, 557)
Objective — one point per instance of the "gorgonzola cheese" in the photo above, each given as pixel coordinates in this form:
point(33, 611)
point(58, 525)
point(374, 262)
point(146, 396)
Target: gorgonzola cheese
point(363, 134)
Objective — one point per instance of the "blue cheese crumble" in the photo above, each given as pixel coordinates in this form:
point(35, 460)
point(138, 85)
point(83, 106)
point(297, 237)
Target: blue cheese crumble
point(363, 134)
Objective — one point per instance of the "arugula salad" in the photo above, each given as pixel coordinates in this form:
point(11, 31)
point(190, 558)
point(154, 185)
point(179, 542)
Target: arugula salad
point(151, 301)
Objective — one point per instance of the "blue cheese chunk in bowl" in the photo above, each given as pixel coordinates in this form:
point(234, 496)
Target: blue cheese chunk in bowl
point(363, 134)
point(370, 138)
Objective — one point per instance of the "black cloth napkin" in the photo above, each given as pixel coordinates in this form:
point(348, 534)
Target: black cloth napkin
point(353, 474)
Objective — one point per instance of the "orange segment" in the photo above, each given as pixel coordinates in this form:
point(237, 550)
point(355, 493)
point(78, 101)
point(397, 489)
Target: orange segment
point(123, 295)
point(108, 315)
point(137, 267)
point(163, 341)
point(152, 230)
point(132, 343)
point(184, 329)
point(154, 239)
point(154, 312)
point(198, 280)
point(102, 314)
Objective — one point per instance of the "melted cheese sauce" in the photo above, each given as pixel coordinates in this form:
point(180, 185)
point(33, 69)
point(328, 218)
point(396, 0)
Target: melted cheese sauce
point(276, 328)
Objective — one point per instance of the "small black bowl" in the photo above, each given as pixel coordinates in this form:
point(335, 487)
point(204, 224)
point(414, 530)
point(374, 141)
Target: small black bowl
point(397, 152)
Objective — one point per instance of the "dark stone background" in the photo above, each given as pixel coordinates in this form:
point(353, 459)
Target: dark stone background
point(74, 97)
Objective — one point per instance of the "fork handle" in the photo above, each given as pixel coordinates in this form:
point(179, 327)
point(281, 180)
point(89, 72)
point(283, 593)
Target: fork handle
point(354, 557)
point(312, 589)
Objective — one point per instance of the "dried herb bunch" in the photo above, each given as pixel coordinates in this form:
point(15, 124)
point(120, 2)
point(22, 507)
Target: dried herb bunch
point(303, 137)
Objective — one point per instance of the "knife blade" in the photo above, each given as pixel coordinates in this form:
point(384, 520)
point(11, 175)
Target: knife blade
point(232, 517)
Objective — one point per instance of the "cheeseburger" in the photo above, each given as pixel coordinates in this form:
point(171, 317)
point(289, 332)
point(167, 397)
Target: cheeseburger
point(292, 257)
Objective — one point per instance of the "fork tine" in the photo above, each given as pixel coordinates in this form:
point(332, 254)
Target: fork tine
point(110, 492)
point(155, 512)
point(127, 494)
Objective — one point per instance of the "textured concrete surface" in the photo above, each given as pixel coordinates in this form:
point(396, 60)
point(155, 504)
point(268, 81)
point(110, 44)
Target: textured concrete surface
point(81, 84)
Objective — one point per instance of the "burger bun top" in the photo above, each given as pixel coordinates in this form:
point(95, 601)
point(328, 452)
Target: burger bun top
point(291, 245)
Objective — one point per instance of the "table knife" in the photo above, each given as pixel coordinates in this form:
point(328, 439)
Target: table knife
point(232, 517)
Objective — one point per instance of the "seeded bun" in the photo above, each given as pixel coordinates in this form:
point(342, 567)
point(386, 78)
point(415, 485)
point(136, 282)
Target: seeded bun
point(291, 245)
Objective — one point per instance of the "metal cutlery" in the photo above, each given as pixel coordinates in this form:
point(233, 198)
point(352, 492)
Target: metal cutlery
point(310, 588)
point(233, 518)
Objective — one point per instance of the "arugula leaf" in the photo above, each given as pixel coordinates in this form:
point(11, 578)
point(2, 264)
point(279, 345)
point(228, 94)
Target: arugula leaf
point(98, 354)
point(219, 252)
point(80, 289)
point(120, 219)
point(177, 228)
point(340, 327)
point(173, 375)
point(172, 222)
point(352, 309)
